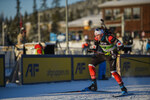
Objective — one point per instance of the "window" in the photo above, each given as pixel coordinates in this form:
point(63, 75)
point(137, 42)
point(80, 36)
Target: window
point(115, 13)
point(108, 14)
point(136, 13)
point(127, 13)
point(136, 34)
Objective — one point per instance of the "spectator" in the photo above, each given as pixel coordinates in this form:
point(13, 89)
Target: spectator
point(127, 41)
point(16, 73)
point(85, 47)
point(148, 47)
point(22, 36)
point(39, 49)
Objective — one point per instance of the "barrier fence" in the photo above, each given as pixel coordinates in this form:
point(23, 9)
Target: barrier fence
point(2, 70)
point(135, 65)
point(54, 68)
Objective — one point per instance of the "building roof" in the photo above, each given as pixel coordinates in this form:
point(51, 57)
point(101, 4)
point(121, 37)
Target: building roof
point(123, 3)
point(80, 22)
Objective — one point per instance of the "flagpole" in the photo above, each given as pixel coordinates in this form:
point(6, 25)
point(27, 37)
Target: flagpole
point(67, 42)
point(39, 31)
point(3, 34)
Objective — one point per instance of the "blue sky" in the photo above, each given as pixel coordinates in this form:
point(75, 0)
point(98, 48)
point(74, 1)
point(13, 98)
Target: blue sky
point(8, 7)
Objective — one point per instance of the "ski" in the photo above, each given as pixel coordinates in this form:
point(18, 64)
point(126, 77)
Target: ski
point(76, 91)
point(123, 95)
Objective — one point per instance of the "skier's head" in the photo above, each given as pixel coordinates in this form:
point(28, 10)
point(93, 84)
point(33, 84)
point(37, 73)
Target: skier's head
point(23, 31)
point(99, 34)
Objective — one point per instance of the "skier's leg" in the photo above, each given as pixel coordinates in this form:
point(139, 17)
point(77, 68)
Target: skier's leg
point(116, 75)
point(92, 72)
point(97, 59)
point(119, 81)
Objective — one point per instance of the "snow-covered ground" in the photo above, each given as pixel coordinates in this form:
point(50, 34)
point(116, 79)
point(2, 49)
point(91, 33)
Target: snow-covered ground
point(140, 86)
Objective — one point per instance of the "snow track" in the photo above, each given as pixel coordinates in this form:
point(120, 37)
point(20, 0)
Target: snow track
point(140, 86)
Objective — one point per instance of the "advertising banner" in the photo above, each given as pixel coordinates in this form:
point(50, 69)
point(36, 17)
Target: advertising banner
point(80, 67)
point(135, 66)
point(40, 68)
point(44, 68)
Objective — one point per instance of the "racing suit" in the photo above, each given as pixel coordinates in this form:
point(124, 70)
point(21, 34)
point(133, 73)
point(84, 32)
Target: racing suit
point(107, 49)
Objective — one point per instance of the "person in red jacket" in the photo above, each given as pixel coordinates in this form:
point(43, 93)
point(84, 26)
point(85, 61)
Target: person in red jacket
point(107, 47)
point(85, 47)
point(39, 49)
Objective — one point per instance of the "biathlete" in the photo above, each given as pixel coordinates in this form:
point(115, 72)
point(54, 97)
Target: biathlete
point(108, 47)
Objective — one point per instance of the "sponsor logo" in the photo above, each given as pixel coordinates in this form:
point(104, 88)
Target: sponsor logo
point(32, 69)
point(80, 68)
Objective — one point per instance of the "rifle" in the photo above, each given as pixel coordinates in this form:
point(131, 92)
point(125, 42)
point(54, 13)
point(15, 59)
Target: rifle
point(106, 30)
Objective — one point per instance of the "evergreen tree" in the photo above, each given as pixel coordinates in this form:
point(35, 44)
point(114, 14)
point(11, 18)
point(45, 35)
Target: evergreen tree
point(78, 14)
point(25, 19)
point(34, 6)
point(34, 19)
point(55, 16)
point(35, 13)
point(1, 20)
point(43, 5)
point(55, 21)
point(71, 16)
point(55, 3)
point(13, 30)
point(18, 14)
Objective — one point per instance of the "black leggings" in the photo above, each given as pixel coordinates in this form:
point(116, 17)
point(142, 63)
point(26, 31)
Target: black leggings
point(99, 58)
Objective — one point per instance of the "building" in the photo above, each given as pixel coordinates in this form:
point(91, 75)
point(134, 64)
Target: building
point(136, 16)
point(85, 26)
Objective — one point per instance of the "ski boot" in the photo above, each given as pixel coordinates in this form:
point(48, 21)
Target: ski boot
point(124, 90)
point(92, 87)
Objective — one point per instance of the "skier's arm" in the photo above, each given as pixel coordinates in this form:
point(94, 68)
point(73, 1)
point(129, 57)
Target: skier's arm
point(95, 47)
point(119, 45)
point(114, 40)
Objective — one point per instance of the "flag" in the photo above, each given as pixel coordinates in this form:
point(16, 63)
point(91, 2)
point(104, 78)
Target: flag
point(21, 21)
